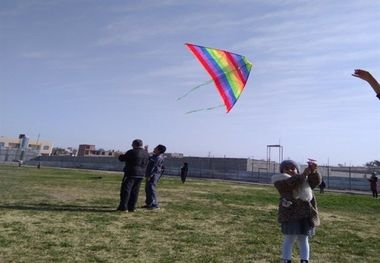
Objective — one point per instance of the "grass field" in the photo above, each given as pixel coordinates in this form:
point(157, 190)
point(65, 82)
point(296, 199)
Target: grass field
point(67, 215)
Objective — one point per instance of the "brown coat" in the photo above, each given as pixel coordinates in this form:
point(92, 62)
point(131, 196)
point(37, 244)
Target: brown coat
point(298, 209)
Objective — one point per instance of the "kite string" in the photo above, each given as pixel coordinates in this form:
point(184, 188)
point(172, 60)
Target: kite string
point(204, 109)
point(195, 88)
point(210, 81)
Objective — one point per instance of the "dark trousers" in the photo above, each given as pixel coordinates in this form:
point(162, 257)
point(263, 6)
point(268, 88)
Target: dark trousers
point(151, 192)
point(129, 193)
point(374, 193)
point(183, 177)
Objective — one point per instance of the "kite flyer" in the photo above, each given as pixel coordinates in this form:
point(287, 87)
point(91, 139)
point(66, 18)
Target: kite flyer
point(136, 161)
point(153, 174)
point(297, 212)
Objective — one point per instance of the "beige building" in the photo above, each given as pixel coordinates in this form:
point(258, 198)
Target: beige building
point(89, 150)
point(44, 147)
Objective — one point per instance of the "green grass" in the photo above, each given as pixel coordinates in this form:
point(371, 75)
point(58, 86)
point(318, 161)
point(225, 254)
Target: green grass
point(67, 215)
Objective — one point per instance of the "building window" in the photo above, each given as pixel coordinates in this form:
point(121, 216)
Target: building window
point(46, 147)
point(2, 144)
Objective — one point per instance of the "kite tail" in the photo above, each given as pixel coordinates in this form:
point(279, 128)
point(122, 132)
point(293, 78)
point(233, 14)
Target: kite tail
point(204, 109)
point(195, 88)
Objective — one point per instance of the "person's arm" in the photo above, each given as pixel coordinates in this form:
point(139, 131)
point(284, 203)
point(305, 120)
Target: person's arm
point(313, 177)
point(291, 182)
point(127, 157)
point(365, 75)
point(123, 157)
point(154, 166)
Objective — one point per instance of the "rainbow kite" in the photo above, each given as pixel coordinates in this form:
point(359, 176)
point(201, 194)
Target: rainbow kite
point(228, 71)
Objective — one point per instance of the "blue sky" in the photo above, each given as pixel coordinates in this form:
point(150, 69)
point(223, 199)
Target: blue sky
point(107, 72)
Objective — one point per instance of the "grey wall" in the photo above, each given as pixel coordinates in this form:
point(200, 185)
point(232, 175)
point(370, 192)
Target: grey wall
point(200, 163)
point(11, 155)
point(96, 163)
point(216, 168)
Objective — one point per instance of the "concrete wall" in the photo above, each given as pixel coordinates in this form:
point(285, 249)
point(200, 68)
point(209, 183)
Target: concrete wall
point(113, 164)
point(11, 154)
point(200, 163)
point(95, 163)
point(332, 181)
point(216, 168)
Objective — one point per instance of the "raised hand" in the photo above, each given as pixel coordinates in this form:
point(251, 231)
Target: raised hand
point(365, 75)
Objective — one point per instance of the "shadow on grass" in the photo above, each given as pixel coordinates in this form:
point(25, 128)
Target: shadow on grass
point(55, 207)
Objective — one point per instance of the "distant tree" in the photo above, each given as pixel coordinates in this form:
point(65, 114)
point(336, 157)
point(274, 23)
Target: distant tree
point(374, 163)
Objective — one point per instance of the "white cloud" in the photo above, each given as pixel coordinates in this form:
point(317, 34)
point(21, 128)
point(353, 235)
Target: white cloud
point(36, 55)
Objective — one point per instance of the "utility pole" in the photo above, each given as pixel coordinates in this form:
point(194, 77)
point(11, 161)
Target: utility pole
point(38, 147)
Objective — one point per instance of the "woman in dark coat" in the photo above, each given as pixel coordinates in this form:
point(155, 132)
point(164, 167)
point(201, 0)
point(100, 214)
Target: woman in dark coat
point(298, 213)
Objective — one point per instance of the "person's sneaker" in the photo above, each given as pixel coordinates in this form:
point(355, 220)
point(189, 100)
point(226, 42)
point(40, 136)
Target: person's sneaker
point(121, 210)
point(154, 208)
point(145, 206)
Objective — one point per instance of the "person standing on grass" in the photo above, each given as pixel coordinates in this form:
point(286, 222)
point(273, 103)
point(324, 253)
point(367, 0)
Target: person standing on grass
point(153, 173)
point(184, 170)
point(297, 214)
point(322, 187)
point(136, 161)
point(373, 184)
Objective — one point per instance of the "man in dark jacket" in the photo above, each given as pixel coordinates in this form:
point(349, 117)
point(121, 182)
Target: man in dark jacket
point(136, 161)
point(153, 173)
point(373, 184)
point(184, 170)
